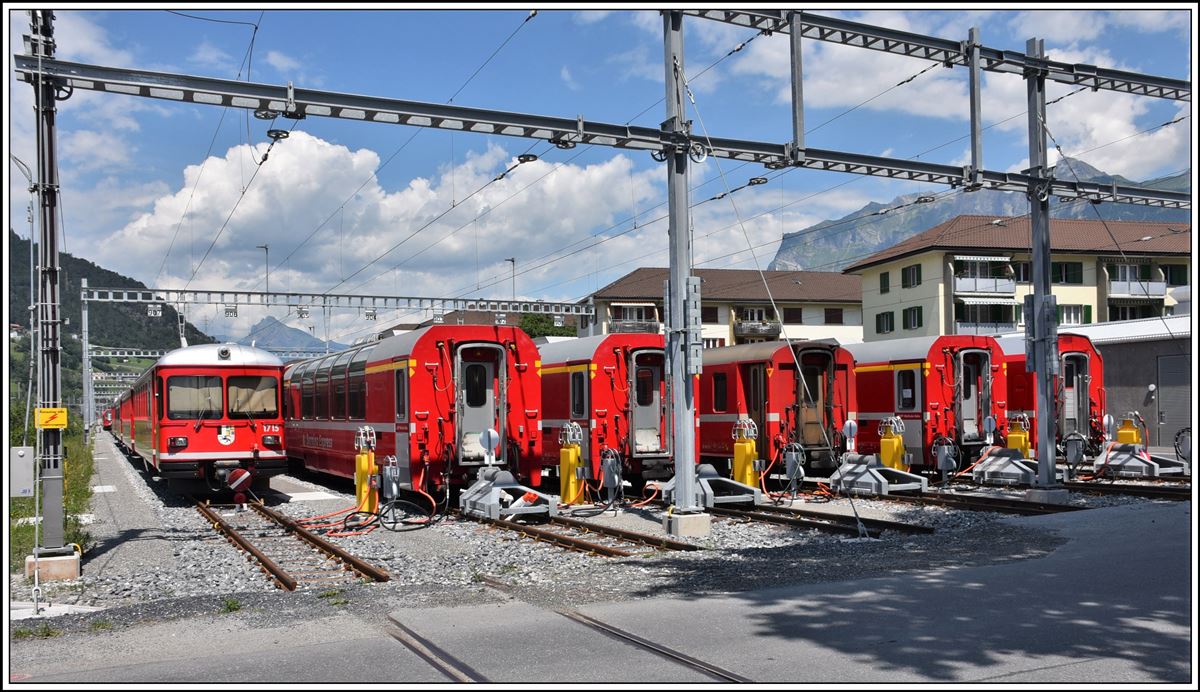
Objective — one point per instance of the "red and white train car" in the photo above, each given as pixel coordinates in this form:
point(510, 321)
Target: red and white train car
point(1081, 396)
point(788, 405)
point(428, 394)
point(106, 418)
point(202, 411)
point(939, 386)
point(613, 386)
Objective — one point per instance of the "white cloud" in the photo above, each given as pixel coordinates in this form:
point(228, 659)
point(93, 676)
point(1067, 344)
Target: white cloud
point(87, 150)
point(1066, 26)
point(282, 62)
point(210, 56)
point(1151, 20)
point(590, 16)
point(568, 79)
point(639, 63)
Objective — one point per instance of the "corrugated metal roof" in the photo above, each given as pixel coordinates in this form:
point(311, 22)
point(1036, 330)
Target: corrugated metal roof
point(968, 232)
point(1149, 329)
point(741, 284)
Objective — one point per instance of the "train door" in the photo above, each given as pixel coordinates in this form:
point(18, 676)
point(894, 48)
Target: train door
point(646, 408)
point(814, 397)
point(974, 393)
point(1073, 396)
point(754, 380)
point(581, 409)
point(403, 453)
point(909, 405)
point(480, 400)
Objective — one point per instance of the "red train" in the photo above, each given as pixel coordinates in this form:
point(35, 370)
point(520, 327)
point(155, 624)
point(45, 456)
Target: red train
point(613, 386)
point(106, 419)
point(760, 382)
point(428, 394)
point(941, 387)
point(203, 411)
point(1081, 396)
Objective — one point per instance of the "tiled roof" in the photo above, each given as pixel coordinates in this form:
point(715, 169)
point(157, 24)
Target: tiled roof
point(1012, 234)
point(646, 283)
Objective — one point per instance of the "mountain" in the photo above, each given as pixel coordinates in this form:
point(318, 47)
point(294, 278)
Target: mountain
point(271, 333)
point(833, 244)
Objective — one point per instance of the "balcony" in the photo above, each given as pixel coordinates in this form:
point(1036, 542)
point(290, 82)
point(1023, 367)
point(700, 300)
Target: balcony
point(634, 326)
point(1137, 289)
point(769, 330)
point(977, 284)
point(984, 328)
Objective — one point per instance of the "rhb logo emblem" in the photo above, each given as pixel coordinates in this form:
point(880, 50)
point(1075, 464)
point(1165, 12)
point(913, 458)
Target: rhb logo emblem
point(225, 437)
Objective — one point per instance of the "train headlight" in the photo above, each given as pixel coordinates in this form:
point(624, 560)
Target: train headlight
point(179, 442)
point(271, 440)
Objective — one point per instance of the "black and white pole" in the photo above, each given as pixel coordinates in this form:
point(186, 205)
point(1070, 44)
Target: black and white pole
point(1042, 329)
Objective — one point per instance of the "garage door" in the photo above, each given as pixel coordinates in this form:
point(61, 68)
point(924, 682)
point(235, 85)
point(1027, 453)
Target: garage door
point(1174, 397)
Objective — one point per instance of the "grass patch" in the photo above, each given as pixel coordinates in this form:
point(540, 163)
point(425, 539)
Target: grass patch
point(78, 467)
point(100, 626)
point(231, 605)
point(334, 596)
point(42, 631)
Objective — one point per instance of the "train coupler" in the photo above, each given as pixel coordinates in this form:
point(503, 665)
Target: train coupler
point(496, 494)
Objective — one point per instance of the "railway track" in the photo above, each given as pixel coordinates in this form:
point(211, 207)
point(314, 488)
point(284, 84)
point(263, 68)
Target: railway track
point(600, 540)
point(1158, 492)
point(981, 503)
point(293, 557)
point(824, 521)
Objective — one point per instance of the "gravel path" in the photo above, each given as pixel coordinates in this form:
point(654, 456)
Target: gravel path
point(157, 559)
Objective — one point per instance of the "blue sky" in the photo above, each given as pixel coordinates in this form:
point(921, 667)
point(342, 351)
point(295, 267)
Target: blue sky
point(130, 166)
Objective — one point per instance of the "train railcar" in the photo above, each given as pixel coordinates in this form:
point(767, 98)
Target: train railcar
point(941, 387)
point(106, 418)
point(800, 392)
point(202, 411)
point(428, 394)
point(613, 387)
point(1081, 398)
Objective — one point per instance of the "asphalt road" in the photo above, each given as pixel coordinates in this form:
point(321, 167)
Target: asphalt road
point(1113, 604)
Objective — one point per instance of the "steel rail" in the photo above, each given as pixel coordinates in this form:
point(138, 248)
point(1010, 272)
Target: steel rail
point(442, 661)
point(783, 520)
point(646, 539)
point(1148, 491)
point(658, 649)
point(281, 576)
point(357, 564)
point(982, 504)
point(847, 519)
point(558, 539)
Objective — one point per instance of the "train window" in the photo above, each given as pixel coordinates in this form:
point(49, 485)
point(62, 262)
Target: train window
point(194, 396)
point(401, 393)
point(321, 384)
point(338, 384)
point(356, 400)
point(812, 385)
point(578, 400)
point(308, 391)
point(720, 392)
point(253, 396)
point(906, 390)
point(475, 383)
point(645, 387)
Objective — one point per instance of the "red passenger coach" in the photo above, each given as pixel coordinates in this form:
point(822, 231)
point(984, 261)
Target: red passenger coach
point(106, 419)
point(428, 394)
point(760, 382)
point(1081, 396)
point(940, 387)
point(202, 411)
point(613, 387)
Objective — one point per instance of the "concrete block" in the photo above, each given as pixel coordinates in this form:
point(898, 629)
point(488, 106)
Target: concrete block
point(56, 568)
point(687, 524)
point(1050, 496)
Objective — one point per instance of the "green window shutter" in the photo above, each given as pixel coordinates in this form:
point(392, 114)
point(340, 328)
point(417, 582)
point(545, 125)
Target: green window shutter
point(1060, 312)
point(1087, 314)
point(1112, 271)
point(1144, 272)
point(920, 318)
point(918, 280)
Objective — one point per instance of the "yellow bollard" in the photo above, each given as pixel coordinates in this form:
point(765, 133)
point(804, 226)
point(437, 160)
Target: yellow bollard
point(891, 449)
point(364, 469)
point(1018, 437)
point(745, 453)
point(1128, 433)
point(569, 483)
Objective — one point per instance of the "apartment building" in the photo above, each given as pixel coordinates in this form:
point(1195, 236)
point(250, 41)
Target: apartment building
point(735, 307)
point(970, 275)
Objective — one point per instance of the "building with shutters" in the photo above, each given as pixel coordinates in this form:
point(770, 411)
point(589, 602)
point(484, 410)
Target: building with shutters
point(971, 274)
point(735, 305)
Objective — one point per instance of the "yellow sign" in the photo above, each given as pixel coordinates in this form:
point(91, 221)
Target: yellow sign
point(52, 418)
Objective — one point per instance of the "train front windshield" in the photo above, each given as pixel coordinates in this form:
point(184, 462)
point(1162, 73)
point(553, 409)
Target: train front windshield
point(253, 396)
point(190, 397)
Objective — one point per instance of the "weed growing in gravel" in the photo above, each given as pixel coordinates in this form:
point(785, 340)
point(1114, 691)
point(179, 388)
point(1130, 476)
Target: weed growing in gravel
point(100, 626)
point(231, 605)
point(334, 596)
point(42, 631)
